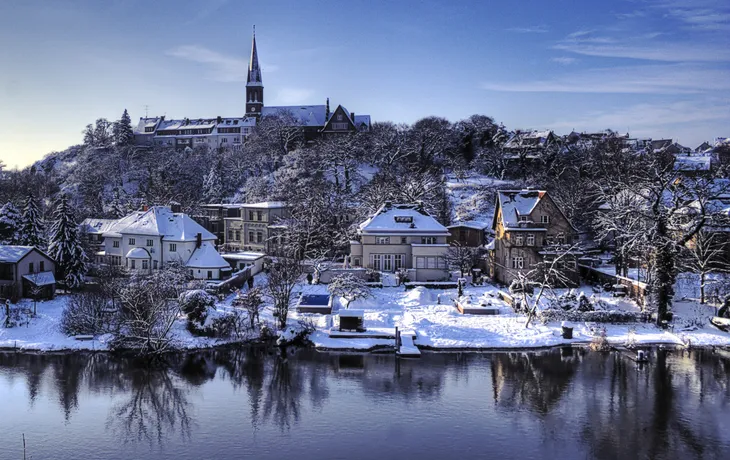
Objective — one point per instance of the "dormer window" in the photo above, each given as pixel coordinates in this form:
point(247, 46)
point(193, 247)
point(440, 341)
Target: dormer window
point(404, 219)
point(524, 218)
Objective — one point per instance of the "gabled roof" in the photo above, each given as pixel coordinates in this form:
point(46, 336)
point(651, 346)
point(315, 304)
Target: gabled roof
point(159, 221)
point(362, 120)
point(403, 218)
point(96, 226)
point(516, 203)
point(306, 115)
point(13, 254)
point(346, 114)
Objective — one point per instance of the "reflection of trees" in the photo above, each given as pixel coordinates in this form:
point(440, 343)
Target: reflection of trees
point(533, 380)
point(155, 406)
point(67, 376)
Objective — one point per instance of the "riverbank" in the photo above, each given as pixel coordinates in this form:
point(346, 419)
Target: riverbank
point(428, 313)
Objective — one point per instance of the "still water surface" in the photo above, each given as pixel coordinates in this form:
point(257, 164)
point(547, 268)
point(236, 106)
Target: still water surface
point(567, 404)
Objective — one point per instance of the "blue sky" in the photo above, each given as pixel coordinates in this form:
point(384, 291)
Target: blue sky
point(658, 68)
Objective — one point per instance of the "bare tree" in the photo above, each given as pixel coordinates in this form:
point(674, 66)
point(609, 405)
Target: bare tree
point(284, 275)
point(704, 255)
point(252, 302)
point(349, 287)
point(462, 257)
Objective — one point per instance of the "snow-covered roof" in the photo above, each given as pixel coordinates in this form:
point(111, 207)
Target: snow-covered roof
point(360, 119)
point(90, 225)
point(207, 257)
point(244, 255)
point(12, 254)
point(265, 205)
point(145, 123)
point(160, 221)
point(41, 279)
point(516, 203)
point(306, 115)
point(476, 225)
point(352, 313)
point(138, 253)
point(403, 218)
point(692, 163)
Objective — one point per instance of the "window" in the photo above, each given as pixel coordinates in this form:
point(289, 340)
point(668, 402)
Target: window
point(259, 216)
point(398, 261)
point(431, 262)
point(339, 117)
point(518, 262)
point(382, 240)
point(150, 243)
point(115, 244)
point(388, 262)
point(356, 262)
point(250, 215)
point(132, 242)
point(518, 240)
point(132, 264)
point(43, 265)
point(145, 265)
point(530, 239)
point(544, 219)
point(420, 262)
point(238, 235)
point(403, 240)
point(524, 218)
point(375, 261)
point(428, 240)
point(225, 140)
point(561, 238)
point(210, 275)
point(339, 125)
point(173, 247)
point(30, 267)
point(154, 264)
point(230, 234)
point(250, 237)
point(259, 237)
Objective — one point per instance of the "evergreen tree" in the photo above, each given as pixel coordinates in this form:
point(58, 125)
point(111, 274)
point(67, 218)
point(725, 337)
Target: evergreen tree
point(116, 209)
point(213, 185)
point(123, 134)
point(65, 245)
point(32, 229)
point(10, 224)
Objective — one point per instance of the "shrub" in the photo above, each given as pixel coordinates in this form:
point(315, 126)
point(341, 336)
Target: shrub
point(612, 316)
point(86, 313)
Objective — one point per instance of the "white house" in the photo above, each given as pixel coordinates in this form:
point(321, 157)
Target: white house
point(402, 236)
point(146, 240)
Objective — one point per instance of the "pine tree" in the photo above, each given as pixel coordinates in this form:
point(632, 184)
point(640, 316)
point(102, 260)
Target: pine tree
point(32, 227)
point(10, 224)
point(123, 134)
point(213, 185)
point(116, 209)
point(65, 245)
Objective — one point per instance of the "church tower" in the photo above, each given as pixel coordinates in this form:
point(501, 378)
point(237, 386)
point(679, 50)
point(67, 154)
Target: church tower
point(254, 85)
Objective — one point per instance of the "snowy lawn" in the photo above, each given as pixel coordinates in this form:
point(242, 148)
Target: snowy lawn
point(442, 326)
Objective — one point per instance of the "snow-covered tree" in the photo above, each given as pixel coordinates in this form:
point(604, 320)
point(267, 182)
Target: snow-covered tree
point(32, 231)
point(705, 255)
point(65, 245)
point(349, 287)
point(213, 185)
point(116, 208)
point(283, 277)
point(123, 133)
point(11, 225)
point(251, 301)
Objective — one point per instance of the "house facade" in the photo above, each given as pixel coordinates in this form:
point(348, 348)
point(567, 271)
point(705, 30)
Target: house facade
point(254, 226)
point(23, 269)
point(469, 234)
point(402, 236)
point(530, 229)
point(146, 240)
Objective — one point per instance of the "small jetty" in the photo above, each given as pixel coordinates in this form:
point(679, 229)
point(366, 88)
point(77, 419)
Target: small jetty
point(404, 345)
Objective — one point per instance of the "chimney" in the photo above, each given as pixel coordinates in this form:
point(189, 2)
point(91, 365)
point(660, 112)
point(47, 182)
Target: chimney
point(327, 110)
point(219, 119)
point(352, 116)
point(198, 240)
point(162, 118)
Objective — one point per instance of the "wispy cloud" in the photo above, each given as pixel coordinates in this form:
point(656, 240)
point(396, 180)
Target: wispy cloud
point(293, 96)
point(540, 29)
point(205, 9)
point(631, 15)
point(702, 18)
point(667, 51)
point(564, 60)
point(222, 67)
point(649, 79)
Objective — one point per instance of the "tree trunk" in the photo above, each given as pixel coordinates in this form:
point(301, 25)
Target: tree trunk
point(702, 286)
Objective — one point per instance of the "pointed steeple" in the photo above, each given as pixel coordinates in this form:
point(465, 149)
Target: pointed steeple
point(254, 71)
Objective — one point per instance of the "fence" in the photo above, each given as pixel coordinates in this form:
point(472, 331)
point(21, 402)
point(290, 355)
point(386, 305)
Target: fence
point(636, 289)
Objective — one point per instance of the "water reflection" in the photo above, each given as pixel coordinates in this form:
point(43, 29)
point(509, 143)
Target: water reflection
point(603, 403)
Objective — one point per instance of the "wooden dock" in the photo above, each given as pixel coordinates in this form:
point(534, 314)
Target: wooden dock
point(406, 348)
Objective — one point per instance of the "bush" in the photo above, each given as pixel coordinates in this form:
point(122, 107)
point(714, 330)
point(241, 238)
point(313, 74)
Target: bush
point(611, 316)
point(86, 313)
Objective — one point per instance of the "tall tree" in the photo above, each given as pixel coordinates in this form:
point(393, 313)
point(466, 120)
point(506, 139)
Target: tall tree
point(32, 231)
point(65, 245)
point(10, 224)
point(213, 185)
point(123, 134)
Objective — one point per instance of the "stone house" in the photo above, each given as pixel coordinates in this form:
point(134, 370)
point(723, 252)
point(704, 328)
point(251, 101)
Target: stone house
point(23, 268)
point(254, 226)
point(529, 229)
point(402, 236)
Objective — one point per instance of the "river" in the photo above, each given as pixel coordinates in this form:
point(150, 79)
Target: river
point(252, 403)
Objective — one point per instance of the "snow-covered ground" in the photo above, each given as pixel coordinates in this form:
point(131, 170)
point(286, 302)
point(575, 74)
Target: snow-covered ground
point(429, 313)
point(472, 198)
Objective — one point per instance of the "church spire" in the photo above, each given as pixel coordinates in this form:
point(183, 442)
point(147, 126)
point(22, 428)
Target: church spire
point(254, 71)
